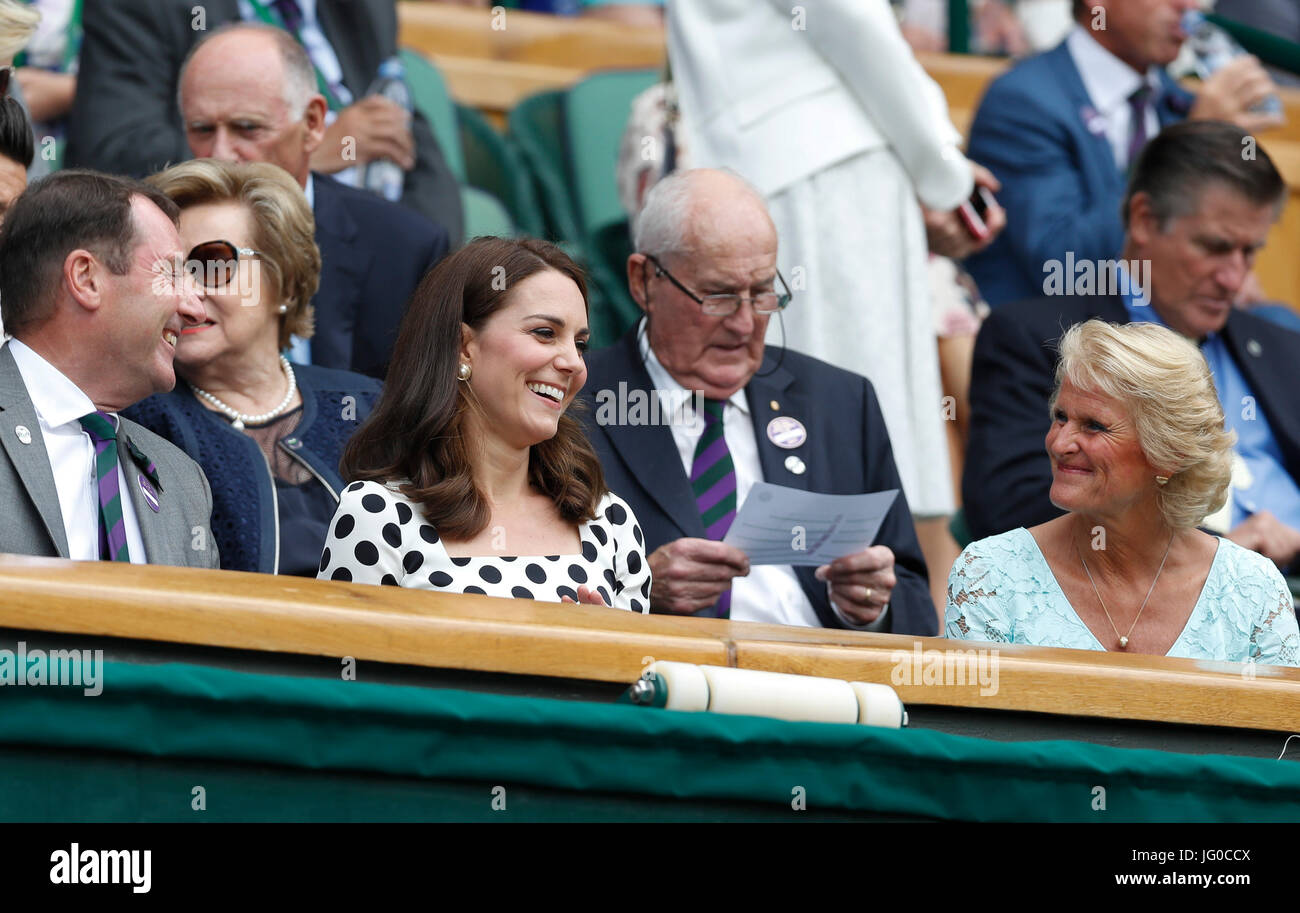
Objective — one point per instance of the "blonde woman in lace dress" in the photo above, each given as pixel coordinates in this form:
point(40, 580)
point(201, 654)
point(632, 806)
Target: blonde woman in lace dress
point(1139, 458)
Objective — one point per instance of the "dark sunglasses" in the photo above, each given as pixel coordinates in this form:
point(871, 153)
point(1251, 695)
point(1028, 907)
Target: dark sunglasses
point(215, 264)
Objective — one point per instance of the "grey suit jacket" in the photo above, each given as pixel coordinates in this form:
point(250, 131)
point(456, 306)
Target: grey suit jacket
point(31, 522)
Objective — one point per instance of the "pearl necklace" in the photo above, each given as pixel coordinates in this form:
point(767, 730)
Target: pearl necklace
point(239, 419)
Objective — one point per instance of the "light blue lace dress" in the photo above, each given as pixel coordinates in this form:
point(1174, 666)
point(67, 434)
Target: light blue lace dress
point(1001, 589)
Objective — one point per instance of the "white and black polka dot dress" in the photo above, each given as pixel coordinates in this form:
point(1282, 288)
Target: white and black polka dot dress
point(378, 536)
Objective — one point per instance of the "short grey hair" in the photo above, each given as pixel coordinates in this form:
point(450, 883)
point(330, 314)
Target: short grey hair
point(663, 225)
point(299, 74)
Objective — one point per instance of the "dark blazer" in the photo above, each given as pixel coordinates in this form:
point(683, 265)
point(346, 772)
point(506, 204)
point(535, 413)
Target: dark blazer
point(1060, 187)
point(244, 521)
point(125, 118)
point(847, 452)
point(177, 533)
point(1008, 474)
point(373, 255)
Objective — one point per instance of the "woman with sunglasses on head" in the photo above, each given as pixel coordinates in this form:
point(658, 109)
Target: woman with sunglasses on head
point(268, 434)
point(472, 475)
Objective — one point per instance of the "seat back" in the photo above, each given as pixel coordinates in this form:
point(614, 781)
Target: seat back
point(534, 125)
point(430, 96)
point(595, 116)
point(493, 164)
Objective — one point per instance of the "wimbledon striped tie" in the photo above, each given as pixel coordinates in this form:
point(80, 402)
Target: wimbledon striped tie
point(713, 479)
point(112, 528)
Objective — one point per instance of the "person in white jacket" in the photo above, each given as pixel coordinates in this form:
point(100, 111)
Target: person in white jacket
point(824, 108)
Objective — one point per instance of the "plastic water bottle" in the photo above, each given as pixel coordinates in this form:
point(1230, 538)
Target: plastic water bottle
point(1213, 49)
point(385, 177)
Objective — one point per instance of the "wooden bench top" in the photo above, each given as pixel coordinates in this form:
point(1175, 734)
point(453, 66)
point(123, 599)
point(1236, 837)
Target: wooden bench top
point(441, 630)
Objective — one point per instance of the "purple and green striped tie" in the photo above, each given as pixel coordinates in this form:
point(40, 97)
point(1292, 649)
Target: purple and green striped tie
point(713, 479)
point(112, 528)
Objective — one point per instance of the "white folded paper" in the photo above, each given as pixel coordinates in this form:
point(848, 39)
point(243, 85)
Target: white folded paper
point(779, 525)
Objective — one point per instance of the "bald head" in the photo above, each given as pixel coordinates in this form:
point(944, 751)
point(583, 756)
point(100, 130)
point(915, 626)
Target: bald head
point(704, 233)
point(701, 209)
point(247, 93)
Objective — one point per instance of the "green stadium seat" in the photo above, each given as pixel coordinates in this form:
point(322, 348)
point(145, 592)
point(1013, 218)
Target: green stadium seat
point(493, 164)
point(595, 116)
point(485, 215)
point(535, 126)
point(430, 96)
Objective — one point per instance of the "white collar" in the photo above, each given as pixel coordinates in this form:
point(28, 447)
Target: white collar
point(1109, 80)
point(662, 380)
point(56, 399)
point(310, 192)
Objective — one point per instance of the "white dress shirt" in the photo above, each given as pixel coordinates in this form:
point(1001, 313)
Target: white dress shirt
point(59, 403)
point(1110, 82)
point(771, 593)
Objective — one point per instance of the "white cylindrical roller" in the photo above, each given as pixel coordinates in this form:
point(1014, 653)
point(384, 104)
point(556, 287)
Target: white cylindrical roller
point(879, 705)
point(687, 687)
point(775, 694)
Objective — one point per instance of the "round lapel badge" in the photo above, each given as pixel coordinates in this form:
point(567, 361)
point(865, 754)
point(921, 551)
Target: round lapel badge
point(24, 436)
point(785, 432)
point(795, 465)
point(150, 496)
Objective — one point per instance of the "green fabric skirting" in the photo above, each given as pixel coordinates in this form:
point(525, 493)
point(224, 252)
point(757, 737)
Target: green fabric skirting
point(342, 750)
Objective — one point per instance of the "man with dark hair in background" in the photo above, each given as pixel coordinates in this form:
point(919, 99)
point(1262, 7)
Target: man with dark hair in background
point(94, 291)
point(1061, 131)
point(1196, 214)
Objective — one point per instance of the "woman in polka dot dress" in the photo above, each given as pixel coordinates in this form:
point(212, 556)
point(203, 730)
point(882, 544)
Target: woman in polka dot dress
point(470, 475)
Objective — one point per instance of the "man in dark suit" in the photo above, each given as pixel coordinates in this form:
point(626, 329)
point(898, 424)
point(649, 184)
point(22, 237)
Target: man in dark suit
point(1062, 129)
point(797, 422)
point(1197, 212)
point(124, 118)
point(247, 94)
point(93, 290)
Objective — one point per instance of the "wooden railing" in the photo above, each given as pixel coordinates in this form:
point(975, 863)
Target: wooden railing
point(492, 62)
point(438, 630)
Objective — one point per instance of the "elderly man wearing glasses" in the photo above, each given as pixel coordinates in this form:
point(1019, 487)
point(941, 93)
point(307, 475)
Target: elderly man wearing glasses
point(705, 275)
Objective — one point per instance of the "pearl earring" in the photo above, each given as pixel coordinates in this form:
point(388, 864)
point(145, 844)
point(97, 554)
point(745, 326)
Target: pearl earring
point(283, 309)
point(464, 371)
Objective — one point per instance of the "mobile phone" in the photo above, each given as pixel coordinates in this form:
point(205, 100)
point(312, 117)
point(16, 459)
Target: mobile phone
point(974, 212)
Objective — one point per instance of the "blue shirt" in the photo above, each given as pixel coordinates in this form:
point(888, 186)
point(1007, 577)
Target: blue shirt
point(1271, 486)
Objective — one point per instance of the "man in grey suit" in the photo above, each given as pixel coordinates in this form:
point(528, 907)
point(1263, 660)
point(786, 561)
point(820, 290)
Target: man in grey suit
point(93, 289)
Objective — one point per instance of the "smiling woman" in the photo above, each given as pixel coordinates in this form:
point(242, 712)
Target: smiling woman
point(268, 434)
point(471, 476)
point(1140, 458)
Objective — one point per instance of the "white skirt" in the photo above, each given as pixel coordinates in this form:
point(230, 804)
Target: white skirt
point(853, 248)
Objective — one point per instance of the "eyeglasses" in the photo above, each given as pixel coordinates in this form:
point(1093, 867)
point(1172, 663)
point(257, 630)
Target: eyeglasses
point(214, 264)
point(726, 304)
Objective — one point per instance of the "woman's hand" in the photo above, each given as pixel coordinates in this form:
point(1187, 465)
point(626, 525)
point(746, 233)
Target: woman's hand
point(587, 595)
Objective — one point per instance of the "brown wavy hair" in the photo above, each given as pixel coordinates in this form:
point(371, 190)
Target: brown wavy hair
point(416, 434)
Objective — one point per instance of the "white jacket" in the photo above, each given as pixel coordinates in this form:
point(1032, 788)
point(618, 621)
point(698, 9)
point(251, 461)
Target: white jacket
point(779, 91)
